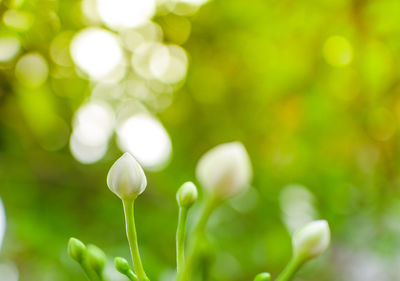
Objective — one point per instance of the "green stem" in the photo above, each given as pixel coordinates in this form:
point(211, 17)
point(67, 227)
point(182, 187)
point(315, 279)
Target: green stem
point(132, 239)
point(92, 276)
point(131, 275)
point(88, 275)
point(181, 238)
point(103, 277)
point(100, 277)
point(198, 235)
point(290, 270)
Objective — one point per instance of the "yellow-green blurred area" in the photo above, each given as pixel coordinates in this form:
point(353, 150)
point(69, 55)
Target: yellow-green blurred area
point(311, 88)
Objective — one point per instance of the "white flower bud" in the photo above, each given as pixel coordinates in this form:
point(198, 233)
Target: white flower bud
point(126, 178)
point(186, 195)
point(225, 170)
point(311, 240)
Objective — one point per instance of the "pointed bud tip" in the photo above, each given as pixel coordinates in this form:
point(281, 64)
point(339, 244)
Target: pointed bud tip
point(76, 249)
point(126, 178)
point(187, 194)
point(311, 240)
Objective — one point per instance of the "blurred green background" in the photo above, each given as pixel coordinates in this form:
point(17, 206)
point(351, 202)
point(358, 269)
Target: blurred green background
point(310, 87)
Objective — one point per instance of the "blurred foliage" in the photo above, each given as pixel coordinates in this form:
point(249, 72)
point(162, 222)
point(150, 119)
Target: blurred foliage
point(310, 87)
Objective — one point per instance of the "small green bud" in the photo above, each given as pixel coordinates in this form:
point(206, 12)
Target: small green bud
point(122, 265)
point(96, 258)
point(186, 195)
point(311, 240)
point(263, 276)
point(124, 268)
point(76, 249)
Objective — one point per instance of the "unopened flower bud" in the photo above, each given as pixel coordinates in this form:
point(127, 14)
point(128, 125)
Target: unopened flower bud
point(311, 240)
point(126, 178)
point(225, 170)
point(96, 258)
point(76, 249)
point(186, 195)
point(263, 276)
point(122, 265)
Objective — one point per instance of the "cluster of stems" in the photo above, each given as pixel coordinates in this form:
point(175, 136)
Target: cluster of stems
point(185, 267)
point(92, 259)
point(231, 168)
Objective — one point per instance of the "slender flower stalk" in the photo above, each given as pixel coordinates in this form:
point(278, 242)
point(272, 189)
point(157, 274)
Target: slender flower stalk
point(132, 239)
point(290, 270)
point(198, 237)
point(186, 196)
point(90, 274)
point(180, 239)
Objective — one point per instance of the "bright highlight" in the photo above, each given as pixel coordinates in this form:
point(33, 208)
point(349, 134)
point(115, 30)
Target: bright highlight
point(96, 51)
point(9, 48)
point(337, 51)
point(145, 138)
point(118, 14)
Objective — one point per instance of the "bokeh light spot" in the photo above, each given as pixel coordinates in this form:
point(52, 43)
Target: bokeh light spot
point(18, 20)
point(338, 51)
point(119, 14)
point(9, 48)
point(94, 123)
point(96, 51)
point(142, 57)
point(93, 127)
point(167, 64)
point(185, 7)
point(193, 2)
point(297, 204)
point(145, 137)
point(32, 70)
point(84, 153)
point(59, 51)
point(148, 32)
